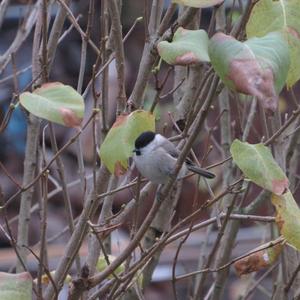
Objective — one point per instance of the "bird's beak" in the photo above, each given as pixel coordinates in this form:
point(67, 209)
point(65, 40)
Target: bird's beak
point(134, 150)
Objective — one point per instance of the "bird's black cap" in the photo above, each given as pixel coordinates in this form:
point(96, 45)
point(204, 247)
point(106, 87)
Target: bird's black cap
point(144, 139)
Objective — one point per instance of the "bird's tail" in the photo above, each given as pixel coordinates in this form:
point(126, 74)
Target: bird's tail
point(201, 172)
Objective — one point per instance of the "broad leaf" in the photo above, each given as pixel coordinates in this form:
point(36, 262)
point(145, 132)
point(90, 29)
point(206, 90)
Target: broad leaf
point(257, 163)
point(119, 142)
point(256, 67)
point(55, 102)
point(15, 286)
point(288, 217)
point(198, 3)
point(188, 47)
point(268, 16)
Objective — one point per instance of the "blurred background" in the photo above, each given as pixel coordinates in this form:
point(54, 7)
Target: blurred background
point(65, 69)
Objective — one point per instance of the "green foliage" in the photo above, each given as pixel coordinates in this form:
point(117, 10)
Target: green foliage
point(119, 142)
point(198, 3)
point(187, 47)
point(102, 264)
point(258, 164)
point(15, 286)
point(55, 102)
point(256, 67)
point(268, 16)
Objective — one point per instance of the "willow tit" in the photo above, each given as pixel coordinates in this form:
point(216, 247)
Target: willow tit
point(155, 158)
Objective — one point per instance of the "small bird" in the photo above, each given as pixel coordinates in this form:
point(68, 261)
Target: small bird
point(155, 158)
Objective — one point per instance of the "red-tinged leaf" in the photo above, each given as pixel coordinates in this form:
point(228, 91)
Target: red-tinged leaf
point(55, 102)
point(187, 47)
point(119, 142)
point(269, 16)
point(256, 67)
point(280, 186)
point(69, 117)
point(119, 169)
point(187, 58)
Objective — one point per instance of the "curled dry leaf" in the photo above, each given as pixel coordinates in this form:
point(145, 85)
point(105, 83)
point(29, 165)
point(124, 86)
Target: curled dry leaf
point(258, 260)
point(256, 67)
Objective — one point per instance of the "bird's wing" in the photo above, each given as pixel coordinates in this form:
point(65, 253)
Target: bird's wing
point(170, 148)
point(165, 162)
point(174, 152)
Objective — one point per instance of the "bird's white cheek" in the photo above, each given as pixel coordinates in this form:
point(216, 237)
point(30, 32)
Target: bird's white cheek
point(137, 161)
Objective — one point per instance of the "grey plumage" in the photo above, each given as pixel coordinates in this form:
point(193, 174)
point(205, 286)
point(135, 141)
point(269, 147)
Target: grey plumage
point(156, 157)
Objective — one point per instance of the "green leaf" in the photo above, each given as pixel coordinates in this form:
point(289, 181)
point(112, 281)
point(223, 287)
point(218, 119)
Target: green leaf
point(55, 102)
point(268, 16)
point(198, 3)
point(187, 47)
point(102, 264)
point(257, 163)
point(149, 96)
point(119, 142)
point(256, 67)
point(288, 217)
point(15, 286)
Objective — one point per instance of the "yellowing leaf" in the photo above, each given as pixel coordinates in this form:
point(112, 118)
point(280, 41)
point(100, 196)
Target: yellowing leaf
point(55, 102)
point(257, 163)
point(288, 217)
point(119, 142)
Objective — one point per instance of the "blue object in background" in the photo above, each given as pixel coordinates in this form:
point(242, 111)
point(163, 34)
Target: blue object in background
point(15, 132)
